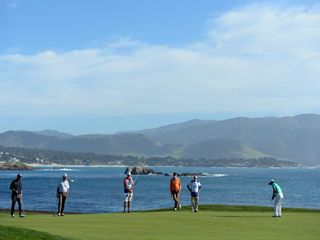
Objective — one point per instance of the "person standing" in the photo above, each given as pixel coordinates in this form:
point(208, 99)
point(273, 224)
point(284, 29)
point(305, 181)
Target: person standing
point(62, 194)
point(128, 185)
point(277, 195)
point(194, 187)
point(16, 195)
point(175, 188)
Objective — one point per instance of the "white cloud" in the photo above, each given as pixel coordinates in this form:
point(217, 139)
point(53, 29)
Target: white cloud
point(254, 59)
point(268, 31)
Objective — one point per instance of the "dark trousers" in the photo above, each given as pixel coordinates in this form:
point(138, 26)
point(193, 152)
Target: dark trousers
point(175, 196)
point(61, 201)
point(16, 198)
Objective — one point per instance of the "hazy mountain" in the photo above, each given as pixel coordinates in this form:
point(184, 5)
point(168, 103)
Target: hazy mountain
point(221, 148)
point(27, 140)
point(296, 138)
point(53, 133)
point(119, 144)
point(293, 138)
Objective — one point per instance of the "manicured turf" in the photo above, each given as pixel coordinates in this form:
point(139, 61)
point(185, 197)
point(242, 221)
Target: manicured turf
point(212, 222)
point(14, 233)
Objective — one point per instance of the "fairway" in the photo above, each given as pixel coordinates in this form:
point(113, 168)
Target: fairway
point(207, 224)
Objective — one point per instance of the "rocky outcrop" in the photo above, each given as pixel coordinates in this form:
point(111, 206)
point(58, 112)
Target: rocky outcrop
point(148, 171)
point(14, 166)
point(142, 171)
point(192, 174)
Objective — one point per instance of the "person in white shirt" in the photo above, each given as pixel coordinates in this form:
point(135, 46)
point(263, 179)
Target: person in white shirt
point(194, 187)
point(62, 193)
point(128, 185)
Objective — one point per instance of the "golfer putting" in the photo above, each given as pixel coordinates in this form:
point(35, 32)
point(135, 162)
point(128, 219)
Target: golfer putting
point(277, 196)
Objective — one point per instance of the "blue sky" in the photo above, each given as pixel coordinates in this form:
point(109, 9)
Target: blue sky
point(108, 66)
point(33, 25)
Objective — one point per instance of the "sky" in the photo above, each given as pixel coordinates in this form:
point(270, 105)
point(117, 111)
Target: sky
point(99, 66)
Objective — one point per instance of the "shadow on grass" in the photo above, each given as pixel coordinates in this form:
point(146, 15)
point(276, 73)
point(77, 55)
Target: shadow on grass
point(15, 233)
point(237, 216)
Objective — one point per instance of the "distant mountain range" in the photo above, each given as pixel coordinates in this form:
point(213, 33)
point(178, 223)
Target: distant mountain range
point(288, 138)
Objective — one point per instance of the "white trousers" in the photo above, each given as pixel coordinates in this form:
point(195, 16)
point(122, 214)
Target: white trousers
point(195, 203)
point(277, 205)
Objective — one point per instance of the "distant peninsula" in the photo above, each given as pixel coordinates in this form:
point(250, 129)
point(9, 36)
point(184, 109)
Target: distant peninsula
point(50, 157)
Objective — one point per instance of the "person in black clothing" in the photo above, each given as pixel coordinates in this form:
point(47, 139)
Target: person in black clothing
point(16, 195)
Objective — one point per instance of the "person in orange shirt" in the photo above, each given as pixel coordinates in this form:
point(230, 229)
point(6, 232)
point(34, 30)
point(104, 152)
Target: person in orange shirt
point(175, 187)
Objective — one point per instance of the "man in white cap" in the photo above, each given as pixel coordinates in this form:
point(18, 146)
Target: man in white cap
point(277, 195)
point(128, 185)
point(62, 193)
point(194, 187)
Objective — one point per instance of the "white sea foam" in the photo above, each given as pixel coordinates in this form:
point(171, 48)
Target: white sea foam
point(215, 175)
point(58, 170)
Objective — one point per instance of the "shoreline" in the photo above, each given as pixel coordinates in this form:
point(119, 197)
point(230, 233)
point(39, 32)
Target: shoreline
point(35, 165)
point(204, 207)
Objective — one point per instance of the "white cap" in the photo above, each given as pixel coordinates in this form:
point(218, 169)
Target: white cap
point(272, 181)
point(128, 173)
point(65, 175)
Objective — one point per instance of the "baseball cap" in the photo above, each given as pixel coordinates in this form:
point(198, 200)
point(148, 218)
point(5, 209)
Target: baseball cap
point(272, 181)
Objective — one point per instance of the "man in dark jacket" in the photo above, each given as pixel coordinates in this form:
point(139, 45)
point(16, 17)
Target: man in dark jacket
point(16, 195)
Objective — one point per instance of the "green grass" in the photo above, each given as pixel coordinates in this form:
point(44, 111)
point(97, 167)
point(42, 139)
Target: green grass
point(14, 233)
point(212, 222)
point(250, 153)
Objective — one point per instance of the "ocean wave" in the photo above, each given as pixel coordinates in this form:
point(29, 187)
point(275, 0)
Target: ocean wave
point(215, 175)
point(58, 170)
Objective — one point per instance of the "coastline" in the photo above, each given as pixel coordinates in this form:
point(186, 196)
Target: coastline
point(35, 165)
point(215, 207)
point(70, 166)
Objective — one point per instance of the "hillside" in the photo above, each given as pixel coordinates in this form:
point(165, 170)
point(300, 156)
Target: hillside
point(295, 138)
point(119, 144)
point(46, 157)
point(288, 138)
point(220, 148)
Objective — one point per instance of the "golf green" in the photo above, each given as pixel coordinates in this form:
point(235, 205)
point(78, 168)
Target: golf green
point(212, 222)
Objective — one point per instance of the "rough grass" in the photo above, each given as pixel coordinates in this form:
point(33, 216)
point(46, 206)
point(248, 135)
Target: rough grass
point(212, 222)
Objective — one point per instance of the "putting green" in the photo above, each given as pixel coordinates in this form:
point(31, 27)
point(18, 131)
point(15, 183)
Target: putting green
point(221, 223)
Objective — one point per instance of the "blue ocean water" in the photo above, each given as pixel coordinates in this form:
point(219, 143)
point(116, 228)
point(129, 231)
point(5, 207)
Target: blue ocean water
point(100, 189)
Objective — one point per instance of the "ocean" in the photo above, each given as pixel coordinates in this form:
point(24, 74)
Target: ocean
point(100, 189)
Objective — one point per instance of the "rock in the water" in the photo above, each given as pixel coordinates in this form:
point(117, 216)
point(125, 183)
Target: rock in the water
point(141, 171)
point(191, 174)
point(14, 166)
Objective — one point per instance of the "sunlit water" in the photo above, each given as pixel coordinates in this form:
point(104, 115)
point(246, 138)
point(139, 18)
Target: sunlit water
point(100, 189)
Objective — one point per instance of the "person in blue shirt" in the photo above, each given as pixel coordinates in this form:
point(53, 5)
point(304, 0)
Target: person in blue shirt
point(194, 187)
point(277, 196)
